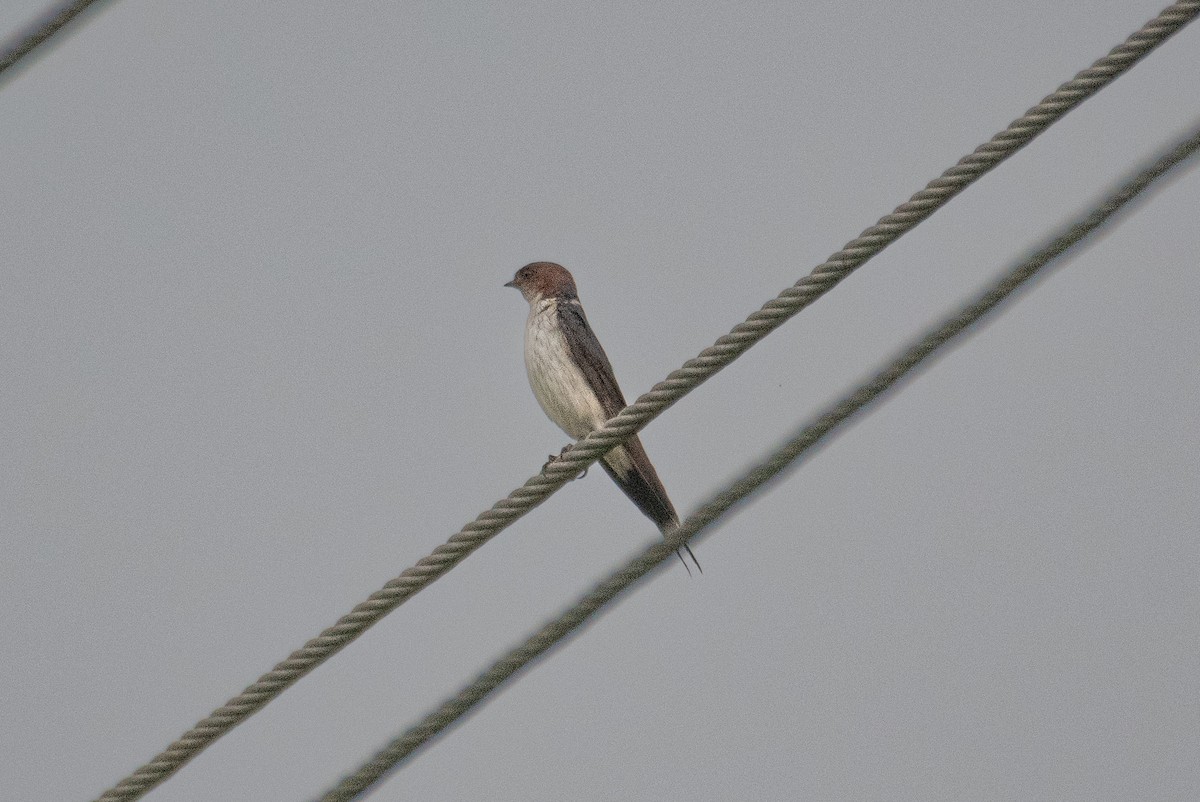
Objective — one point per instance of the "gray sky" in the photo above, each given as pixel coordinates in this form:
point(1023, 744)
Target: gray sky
point(257, 360)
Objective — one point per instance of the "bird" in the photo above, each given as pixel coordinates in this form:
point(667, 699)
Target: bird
point(574, 384)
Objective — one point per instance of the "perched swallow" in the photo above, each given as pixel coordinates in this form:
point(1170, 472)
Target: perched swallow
point(575, 385)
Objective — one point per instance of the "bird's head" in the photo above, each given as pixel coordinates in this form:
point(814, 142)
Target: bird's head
point(543, 280)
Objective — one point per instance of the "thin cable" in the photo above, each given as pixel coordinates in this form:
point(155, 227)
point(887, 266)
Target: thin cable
point(807, 436)
point(48, 23)
point(649, 406)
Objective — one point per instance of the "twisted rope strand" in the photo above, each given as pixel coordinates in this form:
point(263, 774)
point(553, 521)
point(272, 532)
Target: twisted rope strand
point(634, 417)
point(406, 744)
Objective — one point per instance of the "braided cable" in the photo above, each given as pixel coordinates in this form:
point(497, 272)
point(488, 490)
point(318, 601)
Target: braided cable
point(805, 438)
point(50, 22)
point(649, 406)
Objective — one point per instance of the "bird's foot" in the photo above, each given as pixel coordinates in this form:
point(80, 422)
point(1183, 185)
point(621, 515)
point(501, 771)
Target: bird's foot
point(553, 458)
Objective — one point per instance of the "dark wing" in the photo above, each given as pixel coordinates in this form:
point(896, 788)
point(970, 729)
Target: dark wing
point(642, 485)
point(639, 482)
point(588, 354)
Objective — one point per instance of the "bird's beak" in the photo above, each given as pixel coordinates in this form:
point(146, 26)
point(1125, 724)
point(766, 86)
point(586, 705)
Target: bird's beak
point(512, 283)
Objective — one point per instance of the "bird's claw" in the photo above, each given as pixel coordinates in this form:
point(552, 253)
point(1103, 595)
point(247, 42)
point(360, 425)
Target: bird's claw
point(553, 458)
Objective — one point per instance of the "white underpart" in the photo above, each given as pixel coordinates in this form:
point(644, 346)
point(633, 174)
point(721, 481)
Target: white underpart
point(558, 384)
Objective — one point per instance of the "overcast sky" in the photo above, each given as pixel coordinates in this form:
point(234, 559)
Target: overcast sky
point(256, 359)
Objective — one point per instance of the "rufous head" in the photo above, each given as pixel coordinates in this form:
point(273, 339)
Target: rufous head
point(543, 280)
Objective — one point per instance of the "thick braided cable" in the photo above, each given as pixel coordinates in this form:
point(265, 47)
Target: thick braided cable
point(805, 438)
point(634, 417)
point(49, 23)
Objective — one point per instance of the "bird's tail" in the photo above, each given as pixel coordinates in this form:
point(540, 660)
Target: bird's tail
point(671, 526)
point(688, 549)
